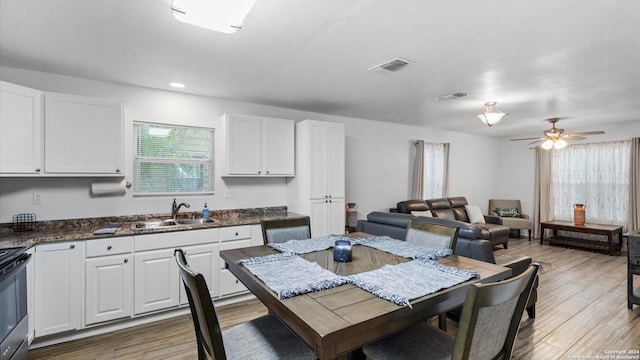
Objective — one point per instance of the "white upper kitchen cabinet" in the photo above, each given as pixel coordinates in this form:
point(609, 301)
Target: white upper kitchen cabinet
point(83, 136)
point(21, 134)
point(258, 146)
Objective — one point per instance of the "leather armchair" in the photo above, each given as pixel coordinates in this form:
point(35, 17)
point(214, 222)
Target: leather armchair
point(521, 222)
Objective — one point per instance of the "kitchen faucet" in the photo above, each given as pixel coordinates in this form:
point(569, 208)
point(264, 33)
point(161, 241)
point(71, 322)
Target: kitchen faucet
point(175, 208)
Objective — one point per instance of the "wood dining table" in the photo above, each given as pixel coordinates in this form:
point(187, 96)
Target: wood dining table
point(338, 320)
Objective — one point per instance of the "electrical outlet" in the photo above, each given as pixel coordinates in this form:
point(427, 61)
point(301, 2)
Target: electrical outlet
point(228, 194)
point(37, 198)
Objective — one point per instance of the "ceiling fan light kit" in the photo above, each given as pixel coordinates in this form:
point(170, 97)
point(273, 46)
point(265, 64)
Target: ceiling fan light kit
point(491, 115)
point(554, 138)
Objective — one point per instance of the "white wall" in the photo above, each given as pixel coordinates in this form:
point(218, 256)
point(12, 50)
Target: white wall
point(378, 158)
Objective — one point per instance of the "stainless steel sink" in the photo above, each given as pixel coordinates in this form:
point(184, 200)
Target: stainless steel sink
point(195, 221)
point(153, 224)
point(168, 223)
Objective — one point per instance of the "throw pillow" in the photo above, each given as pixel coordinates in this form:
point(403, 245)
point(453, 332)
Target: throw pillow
point(475, 214)
point(508, 212)
point(426, 213)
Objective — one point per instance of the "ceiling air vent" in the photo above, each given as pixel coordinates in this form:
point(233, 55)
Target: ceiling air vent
point(392, 65)
point(452, 96)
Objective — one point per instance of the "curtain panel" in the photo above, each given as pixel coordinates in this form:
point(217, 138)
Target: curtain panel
point(595, 174)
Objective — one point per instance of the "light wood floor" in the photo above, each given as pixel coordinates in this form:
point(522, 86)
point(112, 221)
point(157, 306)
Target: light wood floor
point(581, 313)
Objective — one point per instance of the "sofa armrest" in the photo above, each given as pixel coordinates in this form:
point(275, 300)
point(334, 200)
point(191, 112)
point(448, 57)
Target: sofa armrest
point(490, 219)
point(524, 216)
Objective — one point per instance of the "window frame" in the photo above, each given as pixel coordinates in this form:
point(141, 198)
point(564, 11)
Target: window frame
point(138, 160)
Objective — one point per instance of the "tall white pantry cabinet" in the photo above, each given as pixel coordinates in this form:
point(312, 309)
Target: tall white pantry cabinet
point(318, 188)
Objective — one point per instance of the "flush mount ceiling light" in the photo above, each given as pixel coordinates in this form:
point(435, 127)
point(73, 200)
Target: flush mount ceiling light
point(177, 85)
point(225, 16)
point(491, 115)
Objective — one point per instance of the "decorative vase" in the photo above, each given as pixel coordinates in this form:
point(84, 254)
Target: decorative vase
point(578, 214)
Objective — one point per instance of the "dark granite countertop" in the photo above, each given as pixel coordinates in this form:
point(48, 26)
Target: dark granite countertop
point(83, 229)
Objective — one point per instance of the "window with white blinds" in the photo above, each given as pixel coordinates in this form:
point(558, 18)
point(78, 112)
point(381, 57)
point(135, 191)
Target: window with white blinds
point(172, 159)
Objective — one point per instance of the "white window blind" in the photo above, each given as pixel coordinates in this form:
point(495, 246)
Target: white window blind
point(173, 159)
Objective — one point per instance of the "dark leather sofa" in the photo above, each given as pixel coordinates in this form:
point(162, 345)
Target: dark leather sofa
point(453, 208)
point(470, 243)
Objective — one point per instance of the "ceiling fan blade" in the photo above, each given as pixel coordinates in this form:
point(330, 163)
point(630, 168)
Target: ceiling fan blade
point(584, 133)
point(537, 141)
point(532, 138)
point(576, 138)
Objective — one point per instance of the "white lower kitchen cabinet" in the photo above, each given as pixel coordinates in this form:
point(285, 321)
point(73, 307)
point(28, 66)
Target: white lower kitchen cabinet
point(327, 217)
point(203, 259)
point(108, 288)
point(236, 237)
point(108, 279)
point(156, 281)
point(57, 287)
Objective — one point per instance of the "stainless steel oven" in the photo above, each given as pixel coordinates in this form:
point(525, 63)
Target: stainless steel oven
point(14, 321)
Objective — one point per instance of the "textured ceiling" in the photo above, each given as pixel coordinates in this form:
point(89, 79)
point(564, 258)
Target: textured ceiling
point(538, 59)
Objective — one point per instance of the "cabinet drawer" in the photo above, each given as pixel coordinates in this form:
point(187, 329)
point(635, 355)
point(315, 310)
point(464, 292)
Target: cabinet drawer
point(233, 245)
point(229, 284)
point(235, 233)
point(111, 246)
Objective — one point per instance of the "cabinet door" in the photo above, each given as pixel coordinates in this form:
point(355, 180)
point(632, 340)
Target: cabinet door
point(335, 160)
point(278, 144)
point(318, 215)
point(318, 187)
point(108, 288)
point(203, 259)
point(336, 216)
point(20, 130)
point(156, 281)
point(244, 145)
point(57, 288)
point(83, 135)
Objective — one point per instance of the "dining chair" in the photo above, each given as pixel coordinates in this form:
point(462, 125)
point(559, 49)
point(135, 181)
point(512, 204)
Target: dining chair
point(281, 230)
point(433, 236)
point(263, 338)
point(488, 327)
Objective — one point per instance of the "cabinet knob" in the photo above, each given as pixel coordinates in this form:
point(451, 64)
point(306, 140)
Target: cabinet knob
point(72, 246)
point(37, 170)
point(259, 172)
point(329, 196)
point(330, 201)
point(236, 233)
point(117, 170)
point(109, 247)
point(126, 260)
point(267, 172)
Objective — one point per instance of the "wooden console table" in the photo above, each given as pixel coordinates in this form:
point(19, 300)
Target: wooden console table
point(597, 229)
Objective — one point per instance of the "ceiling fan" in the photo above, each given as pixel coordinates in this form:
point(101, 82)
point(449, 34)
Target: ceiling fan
point(555, 137)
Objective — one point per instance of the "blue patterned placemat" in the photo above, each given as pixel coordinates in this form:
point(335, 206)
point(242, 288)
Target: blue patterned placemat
point(411, 280)
point(382, 243)
point(289, 275)
point(402, 248)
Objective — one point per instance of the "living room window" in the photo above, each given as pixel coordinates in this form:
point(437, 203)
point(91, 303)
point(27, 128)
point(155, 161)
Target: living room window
point(436, 160)
point(173, 159)
point(430, 168)
point(596, 174)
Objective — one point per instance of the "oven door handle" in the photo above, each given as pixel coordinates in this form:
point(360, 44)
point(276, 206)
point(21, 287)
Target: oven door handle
point(16, 265)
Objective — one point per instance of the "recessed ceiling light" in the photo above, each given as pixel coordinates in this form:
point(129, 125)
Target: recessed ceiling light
point(177, 85)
